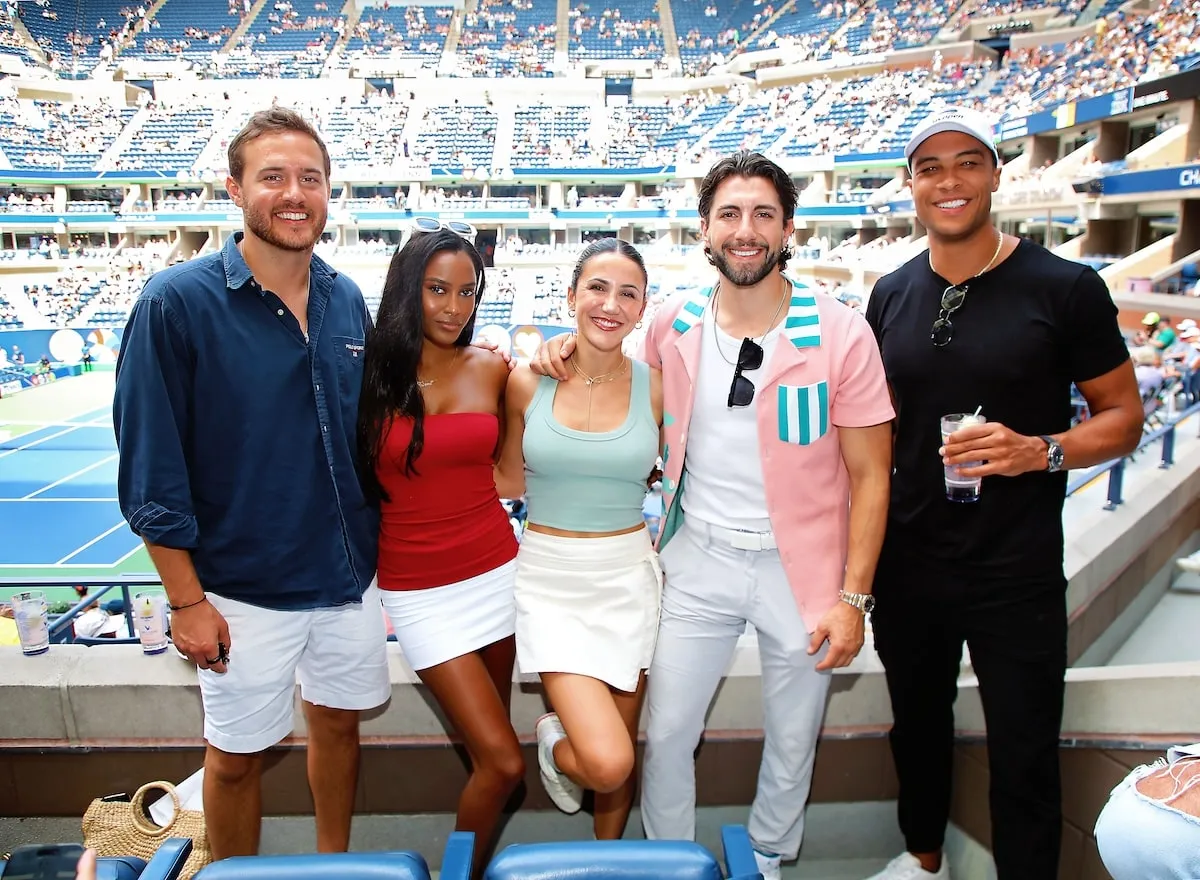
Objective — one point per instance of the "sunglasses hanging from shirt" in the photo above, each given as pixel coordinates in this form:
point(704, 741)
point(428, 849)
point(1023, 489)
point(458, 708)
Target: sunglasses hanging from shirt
point(953, 298)
point(750, 355)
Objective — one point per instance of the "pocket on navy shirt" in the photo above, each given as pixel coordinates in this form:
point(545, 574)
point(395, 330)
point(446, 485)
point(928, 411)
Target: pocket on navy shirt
point(349, 363)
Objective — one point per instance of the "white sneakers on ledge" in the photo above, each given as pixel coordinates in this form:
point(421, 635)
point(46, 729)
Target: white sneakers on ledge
point(567, 795)
point(906, 867)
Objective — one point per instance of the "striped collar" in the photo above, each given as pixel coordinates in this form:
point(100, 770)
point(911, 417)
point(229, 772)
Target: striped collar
point(802, 325)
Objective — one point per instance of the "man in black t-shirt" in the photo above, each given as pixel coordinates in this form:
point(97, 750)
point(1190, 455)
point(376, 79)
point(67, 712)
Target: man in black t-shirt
point(985, 320)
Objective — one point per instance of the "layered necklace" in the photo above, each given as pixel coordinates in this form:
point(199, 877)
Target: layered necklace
point(591, 381)
point(425, 383)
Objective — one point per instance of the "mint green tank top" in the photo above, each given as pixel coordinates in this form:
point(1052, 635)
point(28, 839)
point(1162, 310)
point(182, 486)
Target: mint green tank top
point(589, 481)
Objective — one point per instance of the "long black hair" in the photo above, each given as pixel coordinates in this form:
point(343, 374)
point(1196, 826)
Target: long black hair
point(393, 351)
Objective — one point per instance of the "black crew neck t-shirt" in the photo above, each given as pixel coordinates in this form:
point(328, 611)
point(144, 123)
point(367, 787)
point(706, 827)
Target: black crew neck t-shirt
point(1026, 331)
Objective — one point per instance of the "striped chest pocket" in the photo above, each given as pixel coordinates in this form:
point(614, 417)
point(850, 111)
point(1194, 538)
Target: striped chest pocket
point(803, 412)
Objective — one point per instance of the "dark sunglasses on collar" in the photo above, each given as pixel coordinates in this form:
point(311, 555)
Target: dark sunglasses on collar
point(953, 298)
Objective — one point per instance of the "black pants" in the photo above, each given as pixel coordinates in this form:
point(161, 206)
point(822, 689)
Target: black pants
point(1017, 636)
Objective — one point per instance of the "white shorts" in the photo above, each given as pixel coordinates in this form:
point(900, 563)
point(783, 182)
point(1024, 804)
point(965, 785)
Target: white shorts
point(338, 654)
point(441, 623)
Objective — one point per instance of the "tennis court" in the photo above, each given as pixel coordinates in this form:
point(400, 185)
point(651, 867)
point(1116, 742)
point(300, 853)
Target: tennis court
point(59, 515)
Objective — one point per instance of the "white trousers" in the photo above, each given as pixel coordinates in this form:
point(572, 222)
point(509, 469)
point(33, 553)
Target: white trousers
point(712, 590)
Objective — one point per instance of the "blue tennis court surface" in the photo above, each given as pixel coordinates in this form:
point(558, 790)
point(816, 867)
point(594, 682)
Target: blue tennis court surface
point(58, 505)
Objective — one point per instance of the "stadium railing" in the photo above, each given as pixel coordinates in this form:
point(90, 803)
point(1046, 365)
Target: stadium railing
point(1116, 468)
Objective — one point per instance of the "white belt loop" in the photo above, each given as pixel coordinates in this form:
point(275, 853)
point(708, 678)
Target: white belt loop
point(742, 540)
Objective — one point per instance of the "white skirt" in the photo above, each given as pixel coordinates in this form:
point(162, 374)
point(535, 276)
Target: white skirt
point(441, 623)
point(588, 606)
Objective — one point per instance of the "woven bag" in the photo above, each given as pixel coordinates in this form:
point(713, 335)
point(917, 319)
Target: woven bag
point(121, 828)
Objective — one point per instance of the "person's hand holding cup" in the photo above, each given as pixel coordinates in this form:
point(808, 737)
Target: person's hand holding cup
point(959, 488)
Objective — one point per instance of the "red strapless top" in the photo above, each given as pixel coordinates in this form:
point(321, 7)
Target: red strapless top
point(445, 523)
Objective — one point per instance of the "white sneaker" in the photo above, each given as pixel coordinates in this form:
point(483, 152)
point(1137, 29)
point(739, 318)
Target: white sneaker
point(1189, 563)
point(906, 867)
point(566, 794)
point(768, 866)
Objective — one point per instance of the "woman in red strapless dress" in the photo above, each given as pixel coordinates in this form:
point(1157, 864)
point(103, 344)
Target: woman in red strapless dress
point(429, 428)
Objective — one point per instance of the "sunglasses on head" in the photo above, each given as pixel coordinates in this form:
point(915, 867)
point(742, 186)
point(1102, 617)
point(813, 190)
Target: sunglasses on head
point(953, 298)
point(750, 357)
point(432, 224)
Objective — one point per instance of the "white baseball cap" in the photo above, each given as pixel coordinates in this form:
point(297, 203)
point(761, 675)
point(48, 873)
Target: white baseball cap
point(961, 119)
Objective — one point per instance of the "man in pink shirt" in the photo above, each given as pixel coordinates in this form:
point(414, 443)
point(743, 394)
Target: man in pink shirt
point(777, 458)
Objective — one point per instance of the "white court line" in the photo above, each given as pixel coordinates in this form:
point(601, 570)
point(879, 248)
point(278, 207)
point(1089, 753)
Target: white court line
point(69, 477)
point(94, 540)
point(32, 443)
point(54, 500)
point(127, 555)
point(25, 566)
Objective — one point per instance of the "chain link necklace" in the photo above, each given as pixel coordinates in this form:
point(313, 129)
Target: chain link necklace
point(425, 383)
point(999, 246)
point(770, 327)
point(591, 381)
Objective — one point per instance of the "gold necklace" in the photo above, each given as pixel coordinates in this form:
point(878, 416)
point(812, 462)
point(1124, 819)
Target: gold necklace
point(999, 246)
point(770, 327)
point(425, 383)
point(603, 377)
point(589, 381)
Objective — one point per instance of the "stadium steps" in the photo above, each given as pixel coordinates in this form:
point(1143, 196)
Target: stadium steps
point(5, 162)
point(241, 29)
point(141, 26)
point(957, 24)
point(506, 125)
point(562, 35)
point(666, 20)
point(352, 12)
point(31, 44)
point(764, 28)
point(108, 159)
point(453, 35)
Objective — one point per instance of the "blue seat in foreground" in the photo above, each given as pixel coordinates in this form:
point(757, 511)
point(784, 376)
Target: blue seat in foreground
point(399, 865)
point(626, 860)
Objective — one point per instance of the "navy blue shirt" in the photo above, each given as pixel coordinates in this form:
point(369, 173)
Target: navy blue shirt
point(237, 436)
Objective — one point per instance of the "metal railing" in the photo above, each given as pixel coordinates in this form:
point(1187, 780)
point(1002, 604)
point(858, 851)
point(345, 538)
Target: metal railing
point(61, 630)
point(1116, 468)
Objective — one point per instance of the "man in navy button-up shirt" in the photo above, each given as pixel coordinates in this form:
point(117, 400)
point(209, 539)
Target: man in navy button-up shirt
point(235, 411)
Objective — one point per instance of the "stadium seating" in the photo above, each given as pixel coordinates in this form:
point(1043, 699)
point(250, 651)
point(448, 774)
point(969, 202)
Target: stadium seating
point(621, 29)
point(503, 38)
point(627, 860)
point(706, 28)
point(415, 33)
point(191, 29)
point(457, 136)
point(11, 42)
point(74, 37)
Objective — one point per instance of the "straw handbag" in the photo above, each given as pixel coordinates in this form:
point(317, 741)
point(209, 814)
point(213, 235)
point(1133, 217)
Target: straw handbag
point(121, 828)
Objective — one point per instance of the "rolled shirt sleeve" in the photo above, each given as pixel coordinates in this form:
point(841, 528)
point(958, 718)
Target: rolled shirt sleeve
point(151, 413)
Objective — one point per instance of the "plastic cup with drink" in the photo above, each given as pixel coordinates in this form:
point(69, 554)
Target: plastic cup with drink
point(149, 618)
point(33, 625)
point(960, 488)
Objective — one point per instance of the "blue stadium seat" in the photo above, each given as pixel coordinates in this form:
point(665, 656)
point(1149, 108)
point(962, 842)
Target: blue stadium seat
point(626, 860)
point(400, 865)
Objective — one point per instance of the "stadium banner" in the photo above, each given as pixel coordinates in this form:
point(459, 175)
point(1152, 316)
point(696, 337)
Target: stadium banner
point(8, 389)
point(1009, 129)
point(65, 345)
point(1183, 178)
point(1178, 87)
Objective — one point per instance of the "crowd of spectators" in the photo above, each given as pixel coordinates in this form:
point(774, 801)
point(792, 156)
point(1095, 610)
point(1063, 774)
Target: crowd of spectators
point(382, 36)
point(1069, 8)
point(491, 41)
point(611, 29)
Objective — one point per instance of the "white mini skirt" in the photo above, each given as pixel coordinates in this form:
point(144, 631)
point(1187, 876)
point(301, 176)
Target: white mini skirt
point(588, 606)
point(441, 623)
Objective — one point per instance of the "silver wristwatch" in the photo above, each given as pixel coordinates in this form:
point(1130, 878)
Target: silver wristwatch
point(864, 602)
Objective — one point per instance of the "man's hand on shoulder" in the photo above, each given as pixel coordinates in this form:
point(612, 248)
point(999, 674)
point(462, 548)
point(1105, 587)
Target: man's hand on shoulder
point(551, 357)
point(504, 354)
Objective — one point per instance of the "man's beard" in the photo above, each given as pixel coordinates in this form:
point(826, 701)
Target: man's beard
point(746, 276)
point(260, 224)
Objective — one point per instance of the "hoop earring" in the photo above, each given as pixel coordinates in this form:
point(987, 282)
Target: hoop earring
point(570, 312)
point(638, 325)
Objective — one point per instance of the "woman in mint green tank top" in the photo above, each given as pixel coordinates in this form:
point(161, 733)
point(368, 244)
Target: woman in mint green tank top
point(588, 581)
